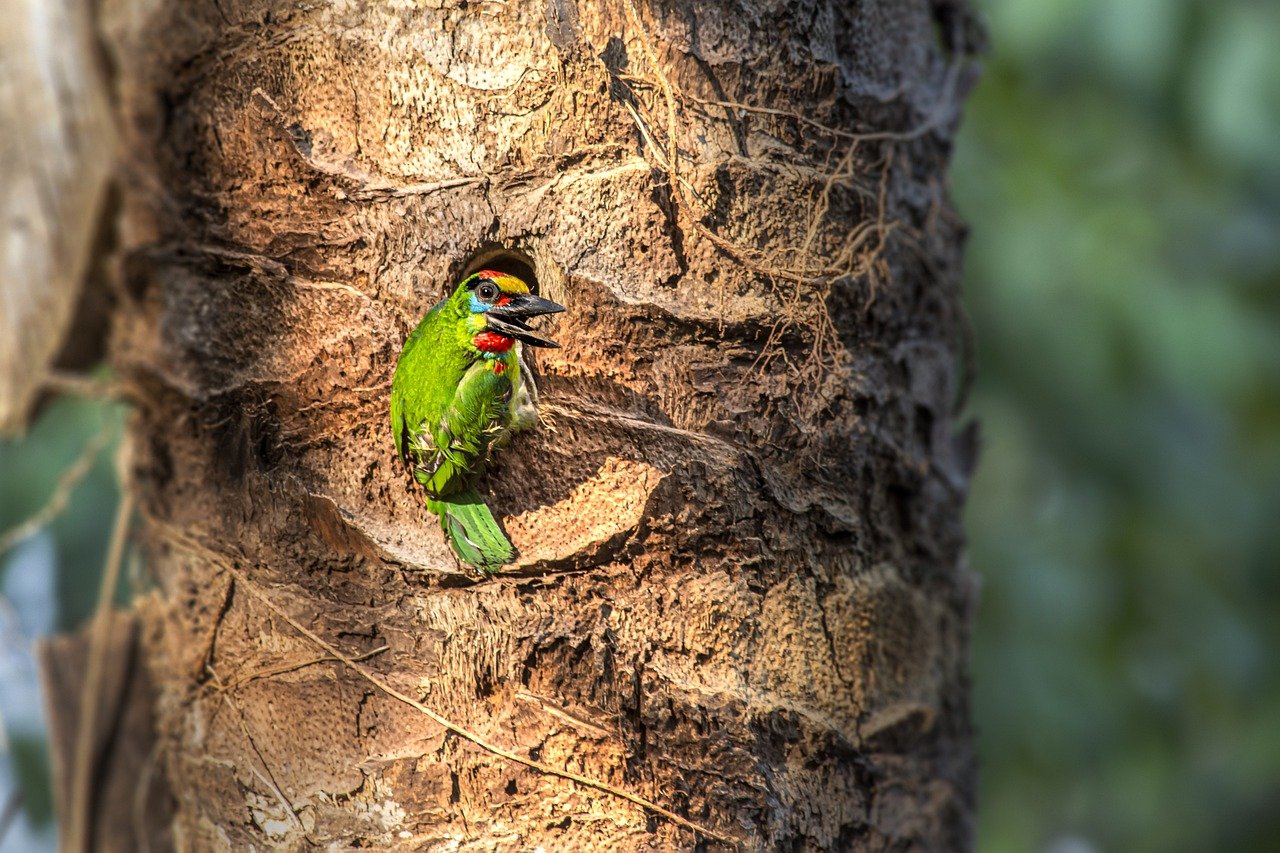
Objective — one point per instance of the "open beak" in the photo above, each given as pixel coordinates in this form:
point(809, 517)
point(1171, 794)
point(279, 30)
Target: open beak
point(509, 319)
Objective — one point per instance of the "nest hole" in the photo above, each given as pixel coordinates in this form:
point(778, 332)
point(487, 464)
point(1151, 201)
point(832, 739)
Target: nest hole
point(502, 259)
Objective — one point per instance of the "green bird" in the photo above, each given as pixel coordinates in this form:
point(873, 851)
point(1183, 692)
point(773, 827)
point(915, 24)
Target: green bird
point(460, 390)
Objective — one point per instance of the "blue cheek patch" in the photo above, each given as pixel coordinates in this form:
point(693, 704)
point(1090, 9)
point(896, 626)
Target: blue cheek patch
point(477, 307)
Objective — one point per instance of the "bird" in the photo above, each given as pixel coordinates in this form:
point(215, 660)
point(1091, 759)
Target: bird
point(461, 388)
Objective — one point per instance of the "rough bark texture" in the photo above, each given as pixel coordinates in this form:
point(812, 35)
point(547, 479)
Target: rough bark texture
point(741, 594)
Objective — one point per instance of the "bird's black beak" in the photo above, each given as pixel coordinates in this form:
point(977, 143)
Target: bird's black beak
point(509, 319)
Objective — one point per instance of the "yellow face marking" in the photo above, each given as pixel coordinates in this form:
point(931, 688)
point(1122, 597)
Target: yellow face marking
point(506, 283)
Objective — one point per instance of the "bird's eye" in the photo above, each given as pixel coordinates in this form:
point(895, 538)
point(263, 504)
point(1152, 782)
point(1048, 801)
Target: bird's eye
point(486, 292)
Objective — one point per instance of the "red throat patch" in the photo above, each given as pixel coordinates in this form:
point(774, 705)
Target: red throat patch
point(492, 342)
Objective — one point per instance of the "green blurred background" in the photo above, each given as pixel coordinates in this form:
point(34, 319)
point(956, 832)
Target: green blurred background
point(1120, 166)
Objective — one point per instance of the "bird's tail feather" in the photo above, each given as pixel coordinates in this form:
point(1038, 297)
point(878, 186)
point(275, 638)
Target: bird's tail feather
point(472, 531)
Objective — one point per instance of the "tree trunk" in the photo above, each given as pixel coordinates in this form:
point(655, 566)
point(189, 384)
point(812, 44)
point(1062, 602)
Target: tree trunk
point(741, 610)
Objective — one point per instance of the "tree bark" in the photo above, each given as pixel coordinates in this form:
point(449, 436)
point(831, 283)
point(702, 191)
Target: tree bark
point(56, 153)
point(741, 610)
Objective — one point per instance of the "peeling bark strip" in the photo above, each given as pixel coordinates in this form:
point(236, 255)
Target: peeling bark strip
point(741, 596)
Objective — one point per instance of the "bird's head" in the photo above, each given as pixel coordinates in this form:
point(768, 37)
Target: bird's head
point(495, 307)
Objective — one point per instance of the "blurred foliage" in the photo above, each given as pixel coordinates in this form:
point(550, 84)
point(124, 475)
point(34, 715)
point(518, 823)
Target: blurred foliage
point(48, 582)
point(1120, 166)
point(30, 470)
point(31, 762)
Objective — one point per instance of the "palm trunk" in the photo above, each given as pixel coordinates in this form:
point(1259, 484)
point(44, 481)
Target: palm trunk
point(741, 612)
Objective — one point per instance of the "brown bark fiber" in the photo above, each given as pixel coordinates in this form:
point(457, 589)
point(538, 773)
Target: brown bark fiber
point(741, 595)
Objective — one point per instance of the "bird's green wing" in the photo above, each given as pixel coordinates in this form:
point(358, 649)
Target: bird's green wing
point(446, 453)
point(398, 427)
point(410, 395)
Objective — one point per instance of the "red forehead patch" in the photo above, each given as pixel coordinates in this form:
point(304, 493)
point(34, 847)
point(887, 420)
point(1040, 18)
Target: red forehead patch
point(507, 282)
